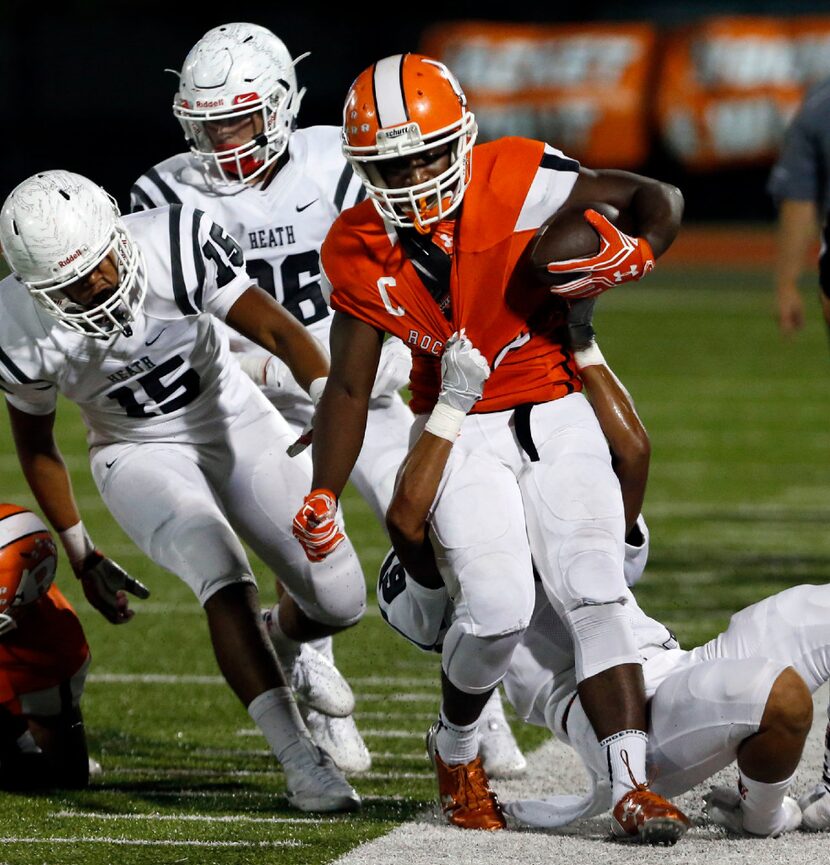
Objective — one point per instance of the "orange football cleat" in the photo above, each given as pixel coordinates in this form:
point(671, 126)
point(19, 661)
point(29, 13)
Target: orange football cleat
point(464, 791)
point(643, 815)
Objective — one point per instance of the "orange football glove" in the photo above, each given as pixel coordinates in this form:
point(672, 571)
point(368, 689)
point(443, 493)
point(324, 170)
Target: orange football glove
point(621, 258)
point(315, 527)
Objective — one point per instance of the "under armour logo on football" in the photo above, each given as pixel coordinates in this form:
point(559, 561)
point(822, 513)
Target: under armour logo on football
point(632, 271)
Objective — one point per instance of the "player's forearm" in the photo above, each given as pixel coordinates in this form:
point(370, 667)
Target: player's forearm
point(339, 426)
point(796, 233)
point(303, 355)
point(406, 519)
point(626, 435)
point(44, 469)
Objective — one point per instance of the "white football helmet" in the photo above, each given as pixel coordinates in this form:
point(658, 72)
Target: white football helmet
point(28, 560)
point(236, 70)
point(57, 227)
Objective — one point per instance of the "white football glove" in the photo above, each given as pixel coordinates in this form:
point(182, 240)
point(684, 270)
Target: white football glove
point(271, 375)
point(393, 369)
point(315, 391)
point(463, 373)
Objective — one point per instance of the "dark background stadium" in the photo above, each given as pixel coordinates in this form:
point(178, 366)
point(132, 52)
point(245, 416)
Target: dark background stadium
point(84, 87)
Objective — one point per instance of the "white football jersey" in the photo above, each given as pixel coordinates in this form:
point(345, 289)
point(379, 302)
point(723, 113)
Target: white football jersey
point(280, 225)
point(172, 378)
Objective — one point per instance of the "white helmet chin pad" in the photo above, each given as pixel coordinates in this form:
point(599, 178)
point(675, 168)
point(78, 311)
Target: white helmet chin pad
point(57, 227)
point(235, 71)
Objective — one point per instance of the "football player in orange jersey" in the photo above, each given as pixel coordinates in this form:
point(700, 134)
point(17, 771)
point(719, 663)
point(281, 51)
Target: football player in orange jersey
point(439, 245)
point(44, 659)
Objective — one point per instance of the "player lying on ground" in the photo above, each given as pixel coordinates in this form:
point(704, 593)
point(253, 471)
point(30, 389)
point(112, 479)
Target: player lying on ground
point(44, 660)
point(724, 701)
point(184, 449)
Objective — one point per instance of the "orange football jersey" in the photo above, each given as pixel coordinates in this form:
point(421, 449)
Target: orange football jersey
point(46, 649)
point(510, 317)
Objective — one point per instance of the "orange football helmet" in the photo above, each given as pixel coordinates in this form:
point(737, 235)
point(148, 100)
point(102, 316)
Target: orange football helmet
point(402, 106)
point(28, 560)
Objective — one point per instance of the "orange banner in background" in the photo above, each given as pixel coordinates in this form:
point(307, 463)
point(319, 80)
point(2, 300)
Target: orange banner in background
point(719, 93)
point(581, 88)
point(728, 88)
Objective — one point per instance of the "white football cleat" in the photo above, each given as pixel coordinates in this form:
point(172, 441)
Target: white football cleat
point(314, 783)
point(815, 809)
point(313, 678)
point(316, 682)
point(341, 740)
point(499, 751)
point(95, 770)
point(723, 805)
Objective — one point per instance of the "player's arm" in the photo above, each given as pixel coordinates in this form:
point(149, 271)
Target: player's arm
point(104, 582)
point(463, 374)
point(627, 437)
point(654, 208)
point(256, 315)
point(649, 215)
point(339, 427)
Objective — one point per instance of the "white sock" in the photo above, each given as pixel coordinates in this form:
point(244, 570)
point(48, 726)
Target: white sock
point(761, 805)
point(626, 755)
point(287, 649)
point(277, 715)
point(456, 743)
point(325, 646)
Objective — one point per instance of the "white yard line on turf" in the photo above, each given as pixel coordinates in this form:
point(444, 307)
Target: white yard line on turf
point(127, 842)
point(177, 679)
point(428, 840)
point(179, 818)
point(245, 773)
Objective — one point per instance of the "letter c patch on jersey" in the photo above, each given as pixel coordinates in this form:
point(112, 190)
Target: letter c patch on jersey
point(389, 281)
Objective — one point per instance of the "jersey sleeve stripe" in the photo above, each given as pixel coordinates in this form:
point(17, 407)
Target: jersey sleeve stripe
point(169, 196)
point(16, 372)
point(558, 163)
point(198, 260)
point(342, 187)
point(179, 287)
point(140, 200)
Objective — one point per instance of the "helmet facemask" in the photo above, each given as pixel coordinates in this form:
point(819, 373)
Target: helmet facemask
point(115, 313)
point(424, 204)
point(247, 161)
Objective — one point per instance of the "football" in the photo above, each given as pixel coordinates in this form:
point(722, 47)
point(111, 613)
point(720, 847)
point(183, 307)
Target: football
point(567, 235)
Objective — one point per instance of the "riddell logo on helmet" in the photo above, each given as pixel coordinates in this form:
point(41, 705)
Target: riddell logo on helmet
point(210, 103)
point(70, 258)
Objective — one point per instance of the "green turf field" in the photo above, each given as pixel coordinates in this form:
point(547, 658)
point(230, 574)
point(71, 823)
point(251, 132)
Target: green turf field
point(737, 505)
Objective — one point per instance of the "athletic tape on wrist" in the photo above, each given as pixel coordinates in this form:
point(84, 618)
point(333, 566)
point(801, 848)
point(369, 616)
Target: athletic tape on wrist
point(445, 422)
point(77, 542)
point(589, 356)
